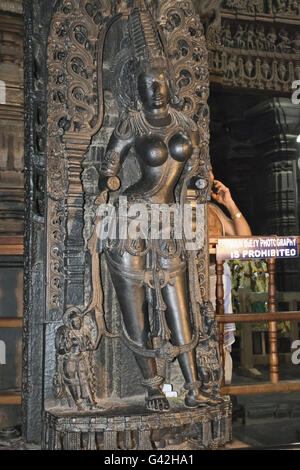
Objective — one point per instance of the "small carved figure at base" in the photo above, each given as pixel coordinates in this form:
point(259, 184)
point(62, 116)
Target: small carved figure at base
point(74, 378)
point(195, 398)
point(208, 359)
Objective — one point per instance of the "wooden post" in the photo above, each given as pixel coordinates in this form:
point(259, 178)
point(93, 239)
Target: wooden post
point(274, 376)
point(246, 344)
point(220, 310)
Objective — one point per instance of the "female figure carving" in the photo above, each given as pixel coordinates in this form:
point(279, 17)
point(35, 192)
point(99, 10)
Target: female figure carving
point(165, 143)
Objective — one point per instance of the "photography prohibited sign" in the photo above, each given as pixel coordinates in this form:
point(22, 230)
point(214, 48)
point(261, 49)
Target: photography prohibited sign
point(257, 247)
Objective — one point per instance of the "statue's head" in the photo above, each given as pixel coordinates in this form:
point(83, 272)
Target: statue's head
point(76, 321)
point(72, 318)
point(208, 315)
point(154, 88)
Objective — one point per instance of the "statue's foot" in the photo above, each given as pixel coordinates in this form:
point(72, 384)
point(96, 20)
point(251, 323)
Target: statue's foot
point(210, 393)
point(195, 399)
point(82, 405)
point(156, 401)
point(213, 396)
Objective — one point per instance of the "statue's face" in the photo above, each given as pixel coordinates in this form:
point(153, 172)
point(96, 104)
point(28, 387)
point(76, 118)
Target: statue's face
point(76, 322)
point(154, 90)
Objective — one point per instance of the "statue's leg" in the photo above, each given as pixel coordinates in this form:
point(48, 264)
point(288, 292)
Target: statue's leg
point(134, 307)
point(71, 372)
point(178, 319)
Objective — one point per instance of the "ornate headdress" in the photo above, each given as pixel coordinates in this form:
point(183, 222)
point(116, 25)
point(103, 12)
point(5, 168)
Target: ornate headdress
point(145, 49)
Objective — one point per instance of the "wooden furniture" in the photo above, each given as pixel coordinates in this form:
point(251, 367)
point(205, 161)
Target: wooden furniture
point(246, 298)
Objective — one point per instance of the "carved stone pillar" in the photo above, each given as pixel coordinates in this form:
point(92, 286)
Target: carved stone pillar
point(275, 127)
point(233, 153)
point(68, 45)
point(11, 123)
point(36, 18)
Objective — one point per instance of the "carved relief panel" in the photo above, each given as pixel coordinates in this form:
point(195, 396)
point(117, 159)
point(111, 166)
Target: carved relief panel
point(83, 103)
point(258, 46)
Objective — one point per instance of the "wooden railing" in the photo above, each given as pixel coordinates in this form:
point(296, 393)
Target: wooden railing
point(272, 317)
point(11, 246)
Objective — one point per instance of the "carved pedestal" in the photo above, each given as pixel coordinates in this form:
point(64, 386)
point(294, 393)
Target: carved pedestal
point(128, 426)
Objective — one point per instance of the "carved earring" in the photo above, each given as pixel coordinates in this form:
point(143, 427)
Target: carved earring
point(175, 100)
point(139, 105)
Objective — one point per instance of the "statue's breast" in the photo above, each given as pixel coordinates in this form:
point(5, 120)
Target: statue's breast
point(152, 150)
point(180, 147)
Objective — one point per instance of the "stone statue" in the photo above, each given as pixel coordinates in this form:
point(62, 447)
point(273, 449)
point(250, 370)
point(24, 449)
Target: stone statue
point(250, 37)
point(272, 38)
point(239, 37)
point(209, 11)
point(260, 37)
point(232, 67)
point(209, 362)
point(154, 277)
point(125, 123)
point(285, 43)
point(227, 40)
point(74, 378)
point(296, 43)
point(266, 70)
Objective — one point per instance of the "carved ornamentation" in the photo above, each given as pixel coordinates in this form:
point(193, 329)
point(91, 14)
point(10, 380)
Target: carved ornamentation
point(187, 45)
point(208, 427)
point(256, 54)
point(272, 7)
point(75, 113)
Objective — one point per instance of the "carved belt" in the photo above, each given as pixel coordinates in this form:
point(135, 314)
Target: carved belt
point(146, 276)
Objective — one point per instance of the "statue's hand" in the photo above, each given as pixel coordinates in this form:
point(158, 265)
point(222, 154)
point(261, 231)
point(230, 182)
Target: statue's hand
point(102, 198)
point(106, 184)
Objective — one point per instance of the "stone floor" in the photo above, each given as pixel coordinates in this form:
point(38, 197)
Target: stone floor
point(269, 419)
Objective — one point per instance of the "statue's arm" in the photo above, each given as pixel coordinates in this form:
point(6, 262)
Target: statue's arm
point(116, 152)
point(192, 164)
point(62, 342)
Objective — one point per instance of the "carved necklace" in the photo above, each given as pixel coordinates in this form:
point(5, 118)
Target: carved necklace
point(144, 127)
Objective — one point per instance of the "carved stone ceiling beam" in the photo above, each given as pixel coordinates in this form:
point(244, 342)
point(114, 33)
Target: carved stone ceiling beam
point(258, 47)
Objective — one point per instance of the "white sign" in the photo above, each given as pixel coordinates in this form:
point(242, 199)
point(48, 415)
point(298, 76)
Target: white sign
point(257, 247)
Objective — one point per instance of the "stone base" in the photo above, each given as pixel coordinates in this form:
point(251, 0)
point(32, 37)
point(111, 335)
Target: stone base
point(127, 426)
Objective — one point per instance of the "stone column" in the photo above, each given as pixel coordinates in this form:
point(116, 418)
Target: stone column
point(11, 124)
point(275, 127)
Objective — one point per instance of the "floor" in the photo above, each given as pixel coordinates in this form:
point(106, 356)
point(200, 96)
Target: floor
point(266, 420)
